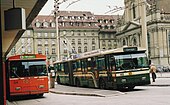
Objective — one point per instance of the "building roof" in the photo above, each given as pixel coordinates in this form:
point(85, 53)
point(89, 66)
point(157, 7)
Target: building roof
point(75, 20)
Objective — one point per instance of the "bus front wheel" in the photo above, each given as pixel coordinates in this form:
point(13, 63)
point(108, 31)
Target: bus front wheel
point(102, 84)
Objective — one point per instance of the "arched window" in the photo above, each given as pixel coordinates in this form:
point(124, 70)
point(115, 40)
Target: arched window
point(134, 11)
point(45, 24)
point(124, 42)
point(37, 24)
point(52, 24)
point(169, 38)
point(134, 42)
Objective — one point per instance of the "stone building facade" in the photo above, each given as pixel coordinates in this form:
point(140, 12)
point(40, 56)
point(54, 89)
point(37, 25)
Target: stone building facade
point(79, 31)
point(157, 37)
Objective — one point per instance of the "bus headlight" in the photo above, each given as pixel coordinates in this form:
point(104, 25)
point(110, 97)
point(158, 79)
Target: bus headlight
point(18, 88)
point(143, 78)
point(123, 80)
point(41, 86)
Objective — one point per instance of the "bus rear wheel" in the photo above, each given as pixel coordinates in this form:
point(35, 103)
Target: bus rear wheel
point(58, 80)
point(131, 87)
point(40, 95)
point(77, 83)
point(102, 84)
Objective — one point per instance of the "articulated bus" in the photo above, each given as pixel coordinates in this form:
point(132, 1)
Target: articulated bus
point(122, 68)
point(27, 75)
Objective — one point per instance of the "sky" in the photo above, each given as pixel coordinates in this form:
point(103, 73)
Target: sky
point(98, 7)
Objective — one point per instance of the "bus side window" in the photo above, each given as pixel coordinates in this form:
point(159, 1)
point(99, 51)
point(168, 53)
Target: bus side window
point(101, 63)
point(112, 63)
point(66, 69)
point(78, 63)
point(74, 66)
point(94, 63)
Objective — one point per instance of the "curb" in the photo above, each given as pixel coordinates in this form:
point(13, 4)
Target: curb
point(81, 94)
point(163, 85)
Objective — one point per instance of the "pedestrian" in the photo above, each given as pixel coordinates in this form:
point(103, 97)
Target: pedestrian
point(153, 71)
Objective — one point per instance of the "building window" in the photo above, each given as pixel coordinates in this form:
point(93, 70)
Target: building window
point(124, 42)
point(39, 43)
point(22, 41)
point(52, 24)
point(39, 51)
point(111, 27)
point(72, 32)
point(46, 43)
point(53, 43)
point(134, 11)
point(73, 42)
point(79, 41)
point(79, 49)
point(45, 24)
point(52, 35)
point(65, 50)
point(29, 49)
point(85, 49)
point(103, 43)
point(103, 36)
point(13, 51)
point(109, 36)
point(93, 41)
point(46, 35)
point(46, 51)
point(134, 42)
point(23, 50)
point(106, 27)
point(53, 51)
point(39, 35)
point(85, 41)
point(71, 23)
point(169, 39)
point(37, 24)
point(28, 32)
point(64, 32)
point(29, 41)
point(109, 43)
point(93, 47)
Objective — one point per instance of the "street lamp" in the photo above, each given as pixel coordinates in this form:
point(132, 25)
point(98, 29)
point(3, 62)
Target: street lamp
point(56, 6)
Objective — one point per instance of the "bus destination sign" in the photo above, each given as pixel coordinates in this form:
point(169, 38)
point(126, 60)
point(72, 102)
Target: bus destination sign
point(28, 56)
point(130, 49)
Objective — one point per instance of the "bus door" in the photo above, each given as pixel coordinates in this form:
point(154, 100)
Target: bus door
point(66, 72)
point(110, 66)
point(71, 65)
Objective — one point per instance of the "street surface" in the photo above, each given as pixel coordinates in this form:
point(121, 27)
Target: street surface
point(145, 95)
point(158, 93)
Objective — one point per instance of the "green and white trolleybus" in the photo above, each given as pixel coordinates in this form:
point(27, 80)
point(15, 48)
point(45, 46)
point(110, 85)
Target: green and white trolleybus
point(119, 68)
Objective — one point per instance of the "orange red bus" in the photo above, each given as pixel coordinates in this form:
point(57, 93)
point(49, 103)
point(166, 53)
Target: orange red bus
point(27, 75)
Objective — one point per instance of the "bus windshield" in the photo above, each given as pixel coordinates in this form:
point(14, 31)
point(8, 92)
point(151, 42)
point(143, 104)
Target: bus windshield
point(131, 61)
point(27, 68)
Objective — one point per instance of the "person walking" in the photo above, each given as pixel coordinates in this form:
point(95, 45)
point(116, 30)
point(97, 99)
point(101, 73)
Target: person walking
point(153, 71)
